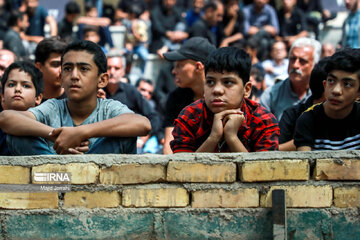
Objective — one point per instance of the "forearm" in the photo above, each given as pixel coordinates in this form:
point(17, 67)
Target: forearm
point(18, 124)
point(230, 27)
point(167, 139)
point(288, 146)
point(209, 145)
point(125, 125)
point(94, 21)
point(303, 148)
point(235, 144)
point(53, 26)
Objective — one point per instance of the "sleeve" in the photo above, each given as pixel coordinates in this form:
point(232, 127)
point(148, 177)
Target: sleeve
point(265, 98)
point(246, 13)
point(184, 139)
point(304, 131)
point(157, 27)
point(45, 111)
point(268, 139)
point(287, 126)
point(115, 108)
point(274, 20)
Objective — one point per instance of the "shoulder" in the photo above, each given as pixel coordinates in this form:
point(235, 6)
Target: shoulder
point(109, 105)
point(192, 113)
point(258, 112)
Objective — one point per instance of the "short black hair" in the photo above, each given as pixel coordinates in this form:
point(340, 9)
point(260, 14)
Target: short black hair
point(318, 75)
point(230, 59)
point(47, 47)
point(213, 5)
point(72, 8)
point(91, 28)
point(92, 48)
point(137, 84)
point(347, 60)
point(14, 17)
point(27, 67)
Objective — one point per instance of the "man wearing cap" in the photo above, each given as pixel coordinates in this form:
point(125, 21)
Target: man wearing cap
point(189, 77)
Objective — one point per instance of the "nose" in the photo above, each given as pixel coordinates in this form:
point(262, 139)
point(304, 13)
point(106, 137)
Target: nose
point(296, 63)
point(18, 87)
point(75, 73)
point(336, 90)
point(218, 89)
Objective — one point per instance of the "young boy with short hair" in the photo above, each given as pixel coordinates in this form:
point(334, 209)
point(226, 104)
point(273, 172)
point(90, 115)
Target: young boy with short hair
point(334, 124)
point(22, 90)
point(81, 123)
point(226, 120)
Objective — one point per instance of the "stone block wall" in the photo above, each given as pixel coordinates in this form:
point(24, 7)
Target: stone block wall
point(184, 196)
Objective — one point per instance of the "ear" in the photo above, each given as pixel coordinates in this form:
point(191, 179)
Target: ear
point(247, 89)
point(103, 80)
point(199, 66)
point(38, 99)
point(324, 84)
point(38, 65)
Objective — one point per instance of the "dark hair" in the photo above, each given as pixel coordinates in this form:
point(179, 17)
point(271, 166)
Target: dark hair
point(27, 67)
point(88, 6)
point(230, 59)
point(143, 80)
point(72, 8)
point(347, 60)
point(47, 47)
point(92, 48)
point(318, 75)
point(91, 28)
point(136, 9)
point(14, 17)
point(213, 5)
point(258, 73)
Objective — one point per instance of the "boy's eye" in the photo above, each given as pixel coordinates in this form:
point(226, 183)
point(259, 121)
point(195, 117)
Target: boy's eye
point(348, 84)
point(330, 80)
point(11, 85)
point(84, 69)
point(228, 83)
point(209, 82)
point(27, 86)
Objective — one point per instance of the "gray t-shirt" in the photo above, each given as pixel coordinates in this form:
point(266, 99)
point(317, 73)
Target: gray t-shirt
point(55, 113)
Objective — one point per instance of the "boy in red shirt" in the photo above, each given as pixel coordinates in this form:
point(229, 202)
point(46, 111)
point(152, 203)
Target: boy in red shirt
point(226, 120)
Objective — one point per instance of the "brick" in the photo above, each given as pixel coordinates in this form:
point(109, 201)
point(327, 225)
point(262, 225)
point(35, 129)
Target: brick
point(281, 170)
point(14, 175)
point(81, 173)
point(162, 197)
point(347, 197)
point(21, 200)
point(200, 172)
point(302, 196)
point(100, 199)
point(220, 198)
point(329, 169)
point(133, 173)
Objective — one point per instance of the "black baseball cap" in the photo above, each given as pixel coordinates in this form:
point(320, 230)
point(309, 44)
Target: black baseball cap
point(195, 48)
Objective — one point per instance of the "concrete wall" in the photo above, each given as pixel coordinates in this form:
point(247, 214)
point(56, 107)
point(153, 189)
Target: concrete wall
point(184, 196)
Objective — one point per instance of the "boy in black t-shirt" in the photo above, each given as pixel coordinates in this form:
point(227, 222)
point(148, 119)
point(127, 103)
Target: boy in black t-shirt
point(334, 124)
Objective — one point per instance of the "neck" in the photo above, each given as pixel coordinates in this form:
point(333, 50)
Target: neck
point(79, 111)
point(198, 89)
point(300, 88)
point(15, 28)
point(112, 87)
point(278, 61)
point(52, 92)
point(341, 114)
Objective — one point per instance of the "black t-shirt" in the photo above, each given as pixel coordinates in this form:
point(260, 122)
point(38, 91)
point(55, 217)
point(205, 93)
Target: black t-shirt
point(177, 100)
point(316, 130)
point(288, 120)
point(294, 25)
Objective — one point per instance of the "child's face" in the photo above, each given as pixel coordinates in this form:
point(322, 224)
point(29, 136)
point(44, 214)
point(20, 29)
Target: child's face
point(80, 76)
point(341, 90)
point(19, 92)
point(225, 91)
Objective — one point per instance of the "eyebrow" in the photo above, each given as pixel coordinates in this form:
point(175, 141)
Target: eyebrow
point(22, 81)
point(343, 79)
point(78, 63)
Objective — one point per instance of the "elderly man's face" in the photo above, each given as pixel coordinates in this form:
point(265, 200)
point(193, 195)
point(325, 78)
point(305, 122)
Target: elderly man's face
point(301, 63)
point(115, 69)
